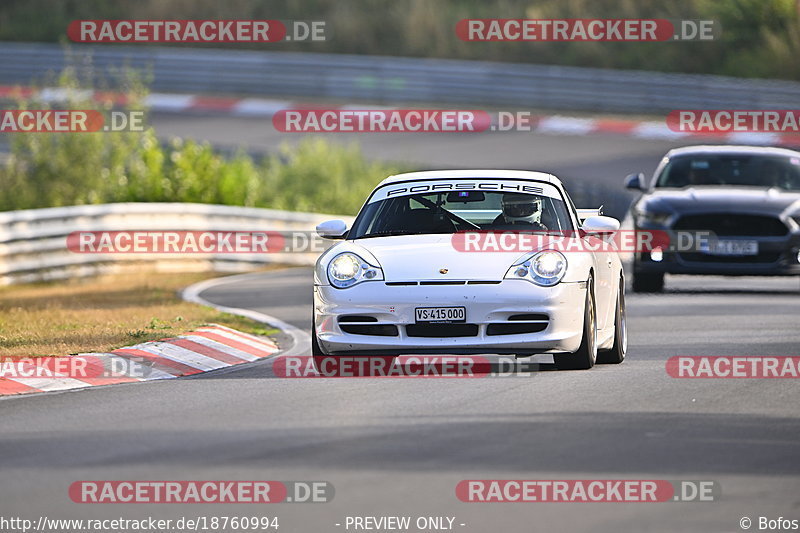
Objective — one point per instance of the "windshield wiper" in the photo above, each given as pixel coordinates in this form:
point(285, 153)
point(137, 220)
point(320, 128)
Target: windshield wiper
point(389, 233)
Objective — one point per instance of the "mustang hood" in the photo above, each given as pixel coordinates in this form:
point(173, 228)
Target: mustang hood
point(722, 199)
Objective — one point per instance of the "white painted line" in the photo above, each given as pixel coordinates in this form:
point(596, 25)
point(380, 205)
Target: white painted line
point(60, 94)
point(567, 125)
point(169, 102)
point(656, 130)
point(259, 107)
point(752, 137)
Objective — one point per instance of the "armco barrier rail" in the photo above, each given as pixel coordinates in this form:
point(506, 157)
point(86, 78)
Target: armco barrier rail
point(396, 80)
point(33, 243)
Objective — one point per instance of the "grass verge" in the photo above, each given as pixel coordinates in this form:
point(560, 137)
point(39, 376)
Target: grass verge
point(100, 314)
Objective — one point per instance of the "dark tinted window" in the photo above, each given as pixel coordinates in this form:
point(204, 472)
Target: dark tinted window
point(732, 170)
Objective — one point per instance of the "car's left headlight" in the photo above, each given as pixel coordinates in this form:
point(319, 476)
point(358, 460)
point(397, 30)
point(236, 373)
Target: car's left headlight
point(347, 269)
point(657, 218)
point(544, 268)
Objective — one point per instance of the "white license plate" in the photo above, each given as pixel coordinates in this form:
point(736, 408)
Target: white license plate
point(729, 247)
point(444, 315)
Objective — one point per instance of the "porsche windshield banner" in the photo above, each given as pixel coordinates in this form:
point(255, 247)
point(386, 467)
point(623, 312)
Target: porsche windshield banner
point(392, 190)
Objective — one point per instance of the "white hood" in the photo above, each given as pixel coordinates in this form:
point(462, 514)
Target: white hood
point(420, 257)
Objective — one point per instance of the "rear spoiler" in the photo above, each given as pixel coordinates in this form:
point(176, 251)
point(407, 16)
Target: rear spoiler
point(583, 214)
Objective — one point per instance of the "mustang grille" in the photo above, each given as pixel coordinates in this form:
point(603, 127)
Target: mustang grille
point(731, 224)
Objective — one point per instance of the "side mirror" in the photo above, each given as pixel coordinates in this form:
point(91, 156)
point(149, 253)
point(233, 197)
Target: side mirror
point(332, 229)
point(600, 224)
point(635, 182)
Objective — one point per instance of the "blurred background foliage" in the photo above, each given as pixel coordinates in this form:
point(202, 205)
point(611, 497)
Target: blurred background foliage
point(759, 38)
point(58, 169)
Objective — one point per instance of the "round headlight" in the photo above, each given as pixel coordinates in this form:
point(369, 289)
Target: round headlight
point(543, 268)
point(547, 268)
point(347, 269)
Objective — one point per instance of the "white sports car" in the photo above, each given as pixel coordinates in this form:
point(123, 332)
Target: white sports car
point(402, 282)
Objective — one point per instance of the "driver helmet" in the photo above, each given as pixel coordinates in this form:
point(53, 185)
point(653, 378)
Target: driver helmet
point(519, 207)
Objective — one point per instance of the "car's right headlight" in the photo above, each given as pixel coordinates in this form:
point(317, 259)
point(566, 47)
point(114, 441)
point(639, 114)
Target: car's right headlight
point(544, 268)
point(348, 269)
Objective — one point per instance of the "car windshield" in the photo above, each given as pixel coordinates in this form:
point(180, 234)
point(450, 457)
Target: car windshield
point(449, 212)
point(732, 170)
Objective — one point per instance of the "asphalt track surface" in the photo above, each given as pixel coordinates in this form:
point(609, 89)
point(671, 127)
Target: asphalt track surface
point(400, 446)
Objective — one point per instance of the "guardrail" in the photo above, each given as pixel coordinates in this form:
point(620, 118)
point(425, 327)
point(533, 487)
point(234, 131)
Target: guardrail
point(33, 243)
point(397, 80)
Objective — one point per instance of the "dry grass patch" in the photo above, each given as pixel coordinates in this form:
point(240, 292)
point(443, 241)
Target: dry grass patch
point(100, 314)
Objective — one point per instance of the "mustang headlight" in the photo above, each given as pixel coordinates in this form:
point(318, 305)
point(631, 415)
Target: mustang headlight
point(656, 218)
point(347, 269)
point(543, 268)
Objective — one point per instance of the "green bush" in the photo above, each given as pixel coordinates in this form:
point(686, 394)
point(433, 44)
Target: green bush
point(57, 169)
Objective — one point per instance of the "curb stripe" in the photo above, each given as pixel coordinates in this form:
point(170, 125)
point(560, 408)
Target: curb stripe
point(207, 348)
point(50, 384)
point(169, 366)
point(225, 348)
point(12, 387)
point(95, 364)
point(182, 355)
point(208, 351)
point(258, 341)
point(240, 344)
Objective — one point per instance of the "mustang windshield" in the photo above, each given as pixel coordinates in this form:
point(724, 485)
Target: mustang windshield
point(462, 210)
point(734, 170)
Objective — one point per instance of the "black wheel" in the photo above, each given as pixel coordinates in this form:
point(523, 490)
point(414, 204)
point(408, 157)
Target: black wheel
point(648, 281)
point(617, 352)
point(586, 356)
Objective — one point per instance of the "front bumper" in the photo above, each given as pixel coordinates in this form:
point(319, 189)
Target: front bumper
point(485, 305)
point(777, 256)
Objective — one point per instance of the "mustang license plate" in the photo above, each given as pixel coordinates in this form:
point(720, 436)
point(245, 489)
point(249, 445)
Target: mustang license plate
point(730, 247)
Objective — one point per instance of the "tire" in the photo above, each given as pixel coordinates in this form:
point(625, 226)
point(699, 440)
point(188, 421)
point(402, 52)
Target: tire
point(316, 349)
point(586, 356)
point(648, 281)
point(616, 354)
